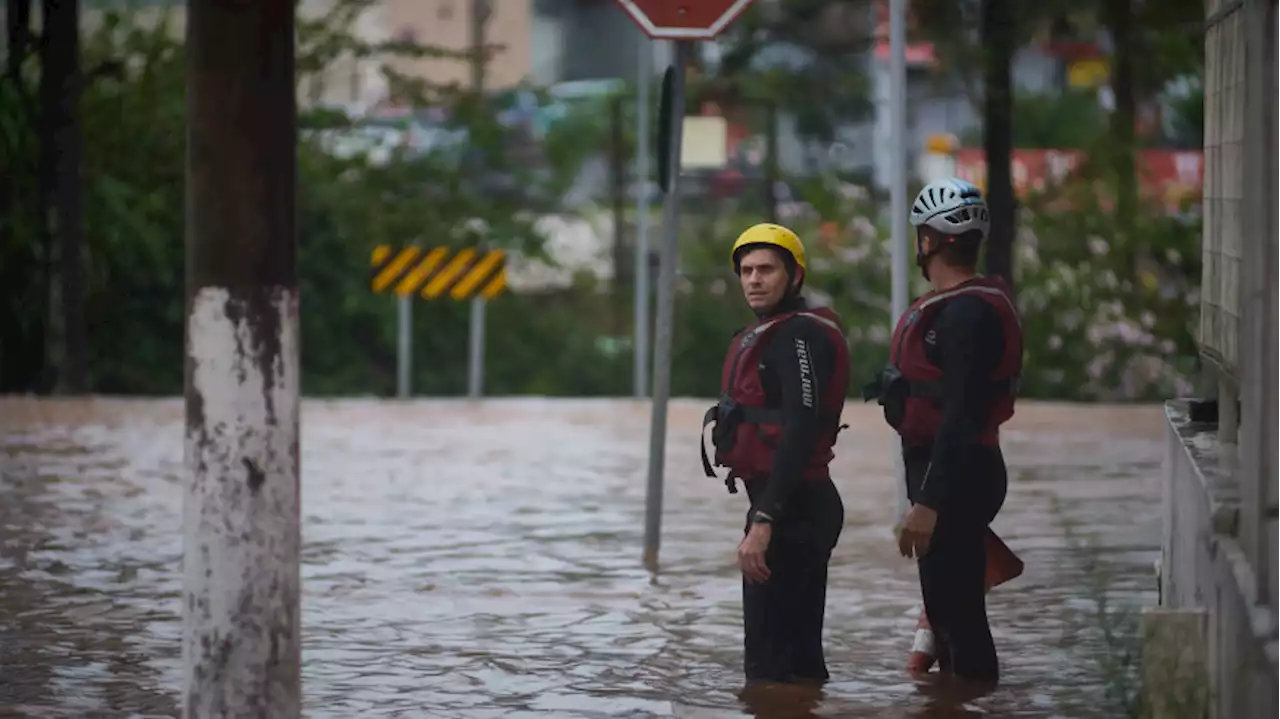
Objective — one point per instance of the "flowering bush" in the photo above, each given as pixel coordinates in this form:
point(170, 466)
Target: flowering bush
point(1107, 313)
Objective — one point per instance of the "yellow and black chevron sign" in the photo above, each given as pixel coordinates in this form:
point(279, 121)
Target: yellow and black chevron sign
point(435, 272)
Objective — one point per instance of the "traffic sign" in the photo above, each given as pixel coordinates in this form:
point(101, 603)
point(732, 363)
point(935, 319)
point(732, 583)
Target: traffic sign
point(683, 19)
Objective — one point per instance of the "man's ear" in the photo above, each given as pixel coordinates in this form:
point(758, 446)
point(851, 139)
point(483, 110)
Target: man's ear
point(798, 279)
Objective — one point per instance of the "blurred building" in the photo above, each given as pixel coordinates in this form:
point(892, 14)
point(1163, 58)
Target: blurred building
point(1219, 559)
point(539, 42)
point(547, 42)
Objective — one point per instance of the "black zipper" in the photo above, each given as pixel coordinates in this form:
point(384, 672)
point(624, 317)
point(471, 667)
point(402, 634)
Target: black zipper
point(743, 346)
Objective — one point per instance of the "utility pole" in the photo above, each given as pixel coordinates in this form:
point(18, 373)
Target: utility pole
point(480, 12)
point(60, 85)
point(241, 647)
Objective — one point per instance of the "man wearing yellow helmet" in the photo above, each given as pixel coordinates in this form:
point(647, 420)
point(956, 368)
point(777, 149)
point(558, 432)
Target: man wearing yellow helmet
point(782, 391)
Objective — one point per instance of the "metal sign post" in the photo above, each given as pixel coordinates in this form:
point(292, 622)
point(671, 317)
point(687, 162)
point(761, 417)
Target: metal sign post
point(436, 273)
point(481, 12)
point(681, 21)
point(898, 193)
point(475, 350)
point(666, 306)
point(404, 346)
point(641, 331)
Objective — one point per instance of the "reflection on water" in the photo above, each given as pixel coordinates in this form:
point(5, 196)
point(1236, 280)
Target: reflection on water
point(483, 560)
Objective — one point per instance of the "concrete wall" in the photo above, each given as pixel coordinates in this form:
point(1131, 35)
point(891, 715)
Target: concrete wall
point(1220, 549)
point(1256, 299)
point(1205, 567)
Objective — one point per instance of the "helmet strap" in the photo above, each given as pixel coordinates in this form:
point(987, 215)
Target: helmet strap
point(922, 257)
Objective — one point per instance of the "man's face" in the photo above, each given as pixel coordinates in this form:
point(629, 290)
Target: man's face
point(764, 279)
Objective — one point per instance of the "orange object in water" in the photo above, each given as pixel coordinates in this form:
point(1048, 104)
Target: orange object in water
point(1002, 566)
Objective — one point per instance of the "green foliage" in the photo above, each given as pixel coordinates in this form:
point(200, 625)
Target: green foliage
point(1111, 308)
point(133, 211)
point(22, 246)
point(134, 129)
point(1186, 121)
point(790, 54)
point(1069, 120)
point(1109, 633)
point(1101, 323)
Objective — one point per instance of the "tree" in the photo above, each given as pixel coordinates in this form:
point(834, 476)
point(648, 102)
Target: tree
point(133, 163)
point(803, 56)
point(999, 36)
point(24, 246)
point(61, 84)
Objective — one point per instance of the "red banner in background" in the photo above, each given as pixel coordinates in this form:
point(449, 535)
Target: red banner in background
point(1170, 176)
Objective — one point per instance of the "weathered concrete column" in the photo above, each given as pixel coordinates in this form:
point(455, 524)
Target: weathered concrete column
point(241, 636)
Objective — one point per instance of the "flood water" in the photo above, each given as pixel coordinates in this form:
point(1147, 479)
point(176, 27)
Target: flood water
point(471, 559)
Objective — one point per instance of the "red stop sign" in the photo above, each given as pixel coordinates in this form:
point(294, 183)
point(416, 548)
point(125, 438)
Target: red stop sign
point(683, 19)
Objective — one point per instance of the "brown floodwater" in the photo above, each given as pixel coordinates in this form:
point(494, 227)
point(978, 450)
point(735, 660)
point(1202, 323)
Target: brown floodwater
point(482, 559)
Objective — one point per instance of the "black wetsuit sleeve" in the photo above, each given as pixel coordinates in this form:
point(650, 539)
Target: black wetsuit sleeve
point(799, 356)
point(970, 340)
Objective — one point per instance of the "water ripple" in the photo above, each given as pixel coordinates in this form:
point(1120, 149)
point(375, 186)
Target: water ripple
point(482, 560)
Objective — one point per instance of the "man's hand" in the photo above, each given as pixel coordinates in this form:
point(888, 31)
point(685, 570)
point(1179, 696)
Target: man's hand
point(917, 531)
point(751, 553)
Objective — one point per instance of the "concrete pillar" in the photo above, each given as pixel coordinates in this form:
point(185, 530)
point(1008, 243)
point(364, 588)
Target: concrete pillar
point(241, 637)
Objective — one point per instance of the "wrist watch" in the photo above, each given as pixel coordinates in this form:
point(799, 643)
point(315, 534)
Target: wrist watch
point(759, 517)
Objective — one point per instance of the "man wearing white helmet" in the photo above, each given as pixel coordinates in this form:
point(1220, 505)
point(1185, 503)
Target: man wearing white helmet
point(954, 362)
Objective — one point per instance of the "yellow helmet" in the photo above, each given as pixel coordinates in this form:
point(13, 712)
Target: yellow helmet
point(768, 233)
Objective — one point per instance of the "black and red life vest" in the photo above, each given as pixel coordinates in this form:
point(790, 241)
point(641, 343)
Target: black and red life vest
point(921, 413)
point(747, 429)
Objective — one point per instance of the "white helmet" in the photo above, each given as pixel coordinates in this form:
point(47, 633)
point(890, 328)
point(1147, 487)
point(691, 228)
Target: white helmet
point(952, 206)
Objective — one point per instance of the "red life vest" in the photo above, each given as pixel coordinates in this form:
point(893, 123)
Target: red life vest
point(747, 430)
point(922, 412)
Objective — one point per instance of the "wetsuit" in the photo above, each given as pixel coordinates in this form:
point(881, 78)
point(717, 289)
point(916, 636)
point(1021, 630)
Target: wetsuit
point(783, 616)
point(964, 481)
